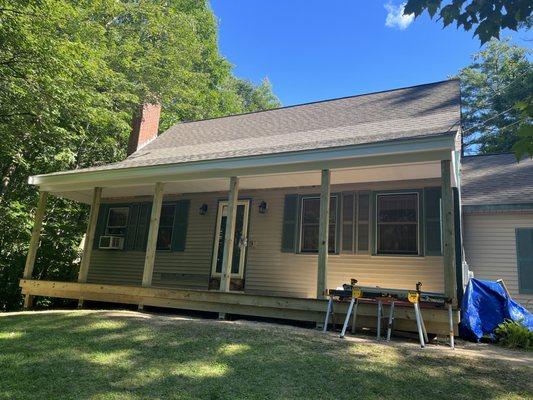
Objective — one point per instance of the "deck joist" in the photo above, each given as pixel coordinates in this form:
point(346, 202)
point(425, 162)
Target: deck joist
point(436, 319)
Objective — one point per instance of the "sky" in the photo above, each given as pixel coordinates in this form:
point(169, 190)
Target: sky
point(314, 50)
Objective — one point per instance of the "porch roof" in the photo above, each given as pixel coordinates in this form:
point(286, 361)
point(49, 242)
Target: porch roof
point(429, 110)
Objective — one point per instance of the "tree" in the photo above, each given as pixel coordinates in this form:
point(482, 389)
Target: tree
point(71, 75)
point(488, 16)
point(499, 77)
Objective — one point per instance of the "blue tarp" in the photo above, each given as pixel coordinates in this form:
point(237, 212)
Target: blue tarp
point(485, 305)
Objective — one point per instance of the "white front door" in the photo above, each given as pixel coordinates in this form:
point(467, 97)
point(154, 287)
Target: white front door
point(240, 239)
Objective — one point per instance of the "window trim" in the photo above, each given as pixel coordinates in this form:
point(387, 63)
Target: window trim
point(175, 205)
point(420, 219)
point(300, 222)
point(107, 226)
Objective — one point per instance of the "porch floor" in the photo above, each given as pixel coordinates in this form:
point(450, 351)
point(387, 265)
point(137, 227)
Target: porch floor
point(314, 310)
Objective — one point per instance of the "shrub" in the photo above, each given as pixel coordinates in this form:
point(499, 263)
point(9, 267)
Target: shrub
point(514, 335)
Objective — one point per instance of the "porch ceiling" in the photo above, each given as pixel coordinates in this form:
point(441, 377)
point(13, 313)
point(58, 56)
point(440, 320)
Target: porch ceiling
point(385, 173)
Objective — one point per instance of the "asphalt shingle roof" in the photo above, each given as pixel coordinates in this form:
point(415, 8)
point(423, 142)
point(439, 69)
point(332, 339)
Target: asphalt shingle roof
point(425, 110)
point(496, 179)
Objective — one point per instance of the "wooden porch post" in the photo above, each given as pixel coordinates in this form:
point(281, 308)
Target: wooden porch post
point(34, 243)
point(89, 235)
point(448, 242)
point(153, 231)
point(227, 257)
point(323, 235)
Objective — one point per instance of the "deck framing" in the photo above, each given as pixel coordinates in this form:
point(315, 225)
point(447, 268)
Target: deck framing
point(303, 309)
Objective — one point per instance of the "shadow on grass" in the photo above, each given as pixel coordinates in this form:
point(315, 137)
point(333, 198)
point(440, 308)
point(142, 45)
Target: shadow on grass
point(97, 356)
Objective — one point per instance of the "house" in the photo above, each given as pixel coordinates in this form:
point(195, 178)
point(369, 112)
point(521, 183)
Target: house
point(497, 199)
point(261, 213)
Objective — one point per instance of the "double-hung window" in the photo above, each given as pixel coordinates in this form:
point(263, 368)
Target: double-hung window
point(166, 224)
point(117, 221)
point(310, 222)
point(397, 224)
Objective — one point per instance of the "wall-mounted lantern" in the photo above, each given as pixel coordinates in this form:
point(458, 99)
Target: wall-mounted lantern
point(203, 209)
point(262, 207)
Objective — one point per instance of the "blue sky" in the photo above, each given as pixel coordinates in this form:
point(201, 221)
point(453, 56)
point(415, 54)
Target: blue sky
point(314, 50)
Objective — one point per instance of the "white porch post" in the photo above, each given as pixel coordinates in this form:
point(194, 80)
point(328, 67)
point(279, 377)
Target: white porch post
point(153, 231)
point(89, 235)
point(227, 257)
point(448, 232)
point(323, 235)
point(34, 243)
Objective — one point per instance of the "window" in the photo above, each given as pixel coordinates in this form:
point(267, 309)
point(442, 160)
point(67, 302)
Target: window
point(310, 221)
point(397, 224)
point(117, 221)
point(166, 224)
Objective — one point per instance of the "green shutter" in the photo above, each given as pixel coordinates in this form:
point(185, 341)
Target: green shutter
point(100, 225)
point(363, 222)
point(348, 209)
point(432, 224)
point(141, 235)
point(131, 231)
point(524, 255)
point(290, 223)
point(181, 220)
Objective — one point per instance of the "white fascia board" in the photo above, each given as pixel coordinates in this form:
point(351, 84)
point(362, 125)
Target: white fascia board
point(392, 152)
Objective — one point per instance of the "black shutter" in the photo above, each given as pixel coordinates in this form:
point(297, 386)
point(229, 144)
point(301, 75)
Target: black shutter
point(141, 236)
point(524, 255)
point(363, 222)
point(347, 222)
point(290, 223)
point(131, 231)
point(181, 219)
point(432, 223)
point(100, 225)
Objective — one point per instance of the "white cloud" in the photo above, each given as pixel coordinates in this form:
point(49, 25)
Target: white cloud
point(395, 17)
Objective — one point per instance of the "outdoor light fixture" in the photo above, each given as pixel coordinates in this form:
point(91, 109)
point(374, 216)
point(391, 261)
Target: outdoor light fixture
point(203, 209)
point(262, 207)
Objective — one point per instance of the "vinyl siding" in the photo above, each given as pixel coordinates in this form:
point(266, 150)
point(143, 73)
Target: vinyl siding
point(490, 248)
point(268, 270)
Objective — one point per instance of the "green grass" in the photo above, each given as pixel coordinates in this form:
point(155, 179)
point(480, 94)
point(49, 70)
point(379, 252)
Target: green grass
point(97, 355)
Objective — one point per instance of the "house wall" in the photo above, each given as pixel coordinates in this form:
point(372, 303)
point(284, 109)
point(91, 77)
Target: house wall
point(269, 270)
point(490, 248)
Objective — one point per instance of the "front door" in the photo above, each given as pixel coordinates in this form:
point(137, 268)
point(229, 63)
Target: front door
point(239, 243)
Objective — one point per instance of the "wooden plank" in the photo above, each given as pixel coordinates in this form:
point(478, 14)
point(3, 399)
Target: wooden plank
point(89, 235)
point(34, 243)
point(227, 257)
point(265, 306)
point(323, 235)
point(153, 231)
point(448, 229)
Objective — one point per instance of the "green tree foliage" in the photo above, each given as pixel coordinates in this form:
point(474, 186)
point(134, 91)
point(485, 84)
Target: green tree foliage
point(499, 78)
point(489, 17)
point(71, 75)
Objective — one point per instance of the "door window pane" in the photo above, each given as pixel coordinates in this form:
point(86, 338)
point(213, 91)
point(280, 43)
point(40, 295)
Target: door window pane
point(166, 224)
point(311, 221)
point(397, 224)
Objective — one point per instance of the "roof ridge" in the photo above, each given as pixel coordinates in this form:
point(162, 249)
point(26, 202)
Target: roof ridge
point(315, 102)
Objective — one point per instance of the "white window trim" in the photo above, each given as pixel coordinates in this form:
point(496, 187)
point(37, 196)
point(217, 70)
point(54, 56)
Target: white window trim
point(107, 226)
point(418, 222)
point(300, 222)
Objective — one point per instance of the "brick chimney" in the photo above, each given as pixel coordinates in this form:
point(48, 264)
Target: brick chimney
point(144, 126)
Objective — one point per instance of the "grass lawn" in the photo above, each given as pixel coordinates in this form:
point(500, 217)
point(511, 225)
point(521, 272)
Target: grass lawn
point(127, 355)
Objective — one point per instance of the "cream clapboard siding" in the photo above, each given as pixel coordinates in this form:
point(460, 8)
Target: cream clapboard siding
point(268, 270)
point(490, 248)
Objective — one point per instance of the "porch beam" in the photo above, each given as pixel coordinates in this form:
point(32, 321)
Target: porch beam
point(34, 243)
point(89, 235)
point(323, 235)
point(227, 257)
point(448, 229)
point(153, 231)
